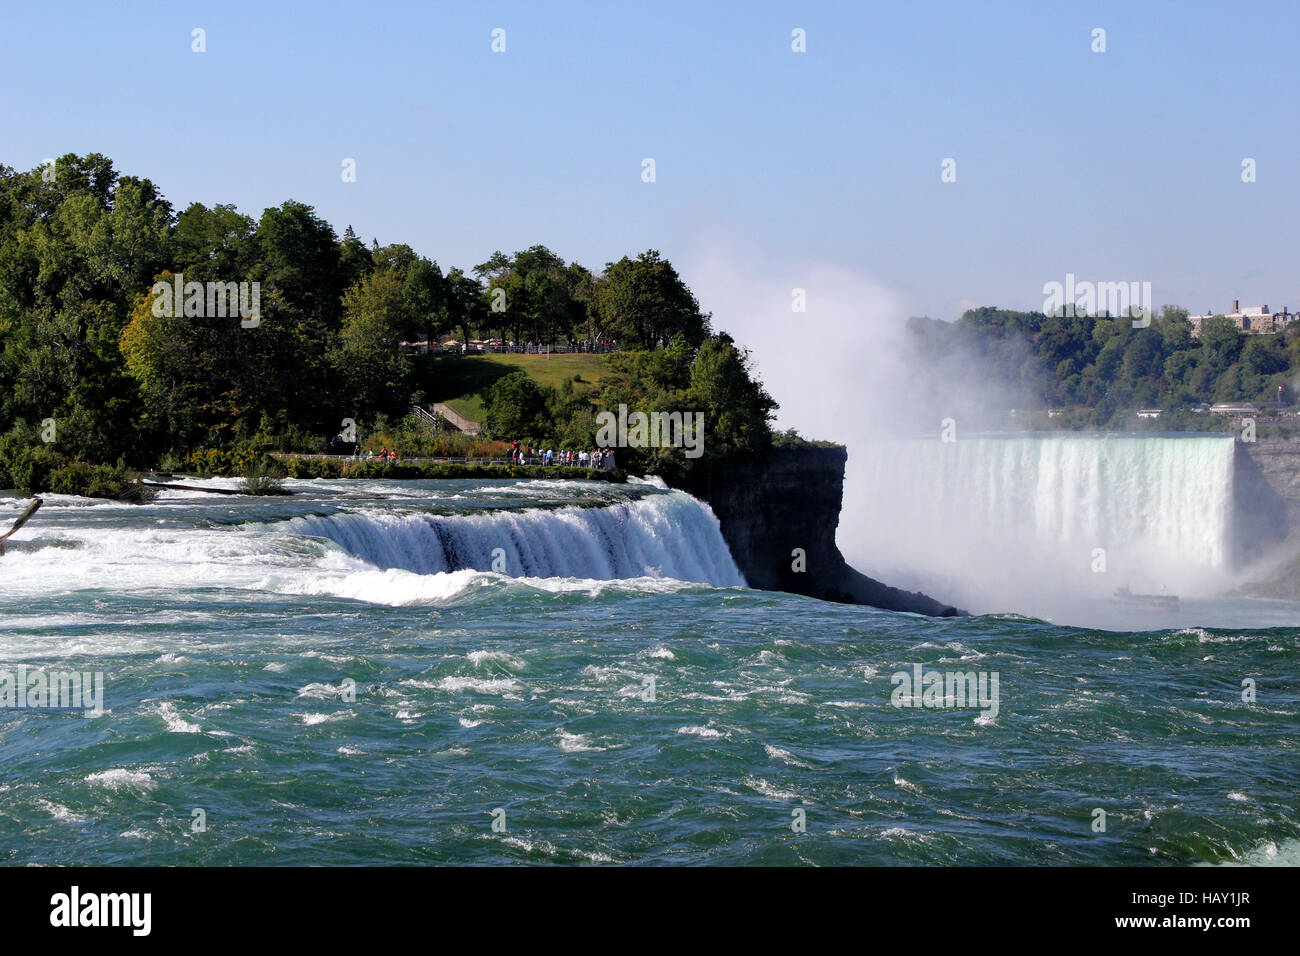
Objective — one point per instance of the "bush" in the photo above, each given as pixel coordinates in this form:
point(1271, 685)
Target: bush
point(206, 462)
point(411, 439)
point(516, 405)
point(97, 481)
point(169, 463)
point(29, 467)
point(792, 439)
point(33, 468)
point(13, 445)
point(265, 478)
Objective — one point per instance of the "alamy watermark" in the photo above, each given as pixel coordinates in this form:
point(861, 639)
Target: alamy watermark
point(653, 430)
point(218, 300)
point(1071, 298)
point(129, 910)
point(24, 689)
point(946, 690)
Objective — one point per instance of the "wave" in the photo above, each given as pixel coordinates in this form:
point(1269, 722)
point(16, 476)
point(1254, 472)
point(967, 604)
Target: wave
point(397, 588)
point(1269, 853)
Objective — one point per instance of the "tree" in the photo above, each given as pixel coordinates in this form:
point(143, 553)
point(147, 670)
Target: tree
point(159, 355)
point(369, 360)
point(214, 244)
point(1175, 329)
point(355, 260)
point(737, 408)
point(464, 303)
point(1264, 355)
point(645, 301)
point(542, 295)
point(516, 408)
point(299, 268)
point(1221, 342)
point(299, 256)
point(425, 294)
point(1177, 382)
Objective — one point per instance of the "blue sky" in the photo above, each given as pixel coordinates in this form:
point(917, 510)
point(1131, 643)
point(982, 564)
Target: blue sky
point(1123, 165)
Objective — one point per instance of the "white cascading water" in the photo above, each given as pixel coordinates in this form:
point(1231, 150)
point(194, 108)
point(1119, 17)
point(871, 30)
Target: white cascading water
point(664, 535)
point(1037, 524)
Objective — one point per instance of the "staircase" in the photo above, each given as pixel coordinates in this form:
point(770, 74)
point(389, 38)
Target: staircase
point(444, 416)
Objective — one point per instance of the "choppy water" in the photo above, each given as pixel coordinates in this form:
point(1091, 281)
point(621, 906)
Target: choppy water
point(230, 632)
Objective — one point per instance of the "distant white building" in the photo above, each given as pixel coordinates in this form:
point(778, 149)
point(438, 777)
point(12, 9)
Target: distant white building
point(1235, 409)
point(1254, 320)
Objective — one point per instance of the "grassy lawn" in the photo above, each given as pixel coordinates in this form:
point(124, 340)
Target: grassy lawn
point(459, 380)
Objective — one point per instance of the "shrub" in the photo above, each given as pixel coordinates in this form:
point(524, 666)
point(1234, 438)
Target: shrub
point(169, 463)
point(264, 478)
point(29, 467)
point(206, 462)
point(96, 481)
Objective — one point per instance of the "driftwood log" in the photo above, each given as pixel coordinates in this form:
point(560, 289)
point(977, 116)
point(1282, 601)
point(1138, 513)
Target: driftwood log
point(211, 491)
point(22, 520)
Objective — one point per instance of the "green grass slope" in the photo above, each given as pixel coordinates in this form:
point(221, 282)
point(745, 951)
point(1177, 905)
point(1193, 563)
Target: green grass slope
point(460, 381)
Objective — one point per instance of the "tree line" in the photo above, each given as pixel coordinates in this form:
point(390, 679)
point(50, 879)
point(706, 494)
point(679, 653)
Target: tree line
point(1103, 367)
point(84, 346)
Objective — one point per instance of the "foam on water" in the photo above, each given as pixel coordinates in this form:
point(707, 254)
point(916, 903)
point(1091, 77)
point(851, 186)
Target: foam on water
point(386, 553)
point(1269, 853)
point(120, 778)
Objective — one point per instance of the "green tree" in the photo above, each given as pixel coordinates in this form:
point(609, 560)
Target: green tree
point(355, 260)
point(1221, 342)
point(737, 408)
point(645, 301)
point(466, 308)
point(369, 360)
point(424, 291)
point(214, 244)
point(516, 408)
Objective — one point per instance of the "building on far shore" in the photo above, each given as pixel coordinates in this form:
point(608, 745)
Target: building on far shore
point(1235, 409)
point(1254, 320)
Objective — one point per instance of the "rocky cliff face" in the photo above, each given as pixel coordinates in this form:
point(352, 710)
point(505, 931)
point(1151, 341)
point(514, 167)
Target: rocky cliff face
point(1265, 497)
point(771, 512)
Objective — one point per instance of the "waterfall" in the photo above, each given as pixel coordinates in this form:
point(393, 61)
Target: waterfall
point(1012, 523)
point(669, 535)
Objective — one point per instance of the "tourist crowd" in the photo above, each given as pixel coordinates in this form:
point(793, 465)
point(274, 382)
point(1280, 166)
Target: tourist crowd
point(601, 459)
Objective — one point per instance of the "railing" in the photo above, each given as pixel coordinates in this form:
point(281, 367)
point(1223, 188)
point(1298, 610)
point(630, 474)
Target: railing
point(591, 348)
point(409, 459)
point(435, 422)
point(462, 423)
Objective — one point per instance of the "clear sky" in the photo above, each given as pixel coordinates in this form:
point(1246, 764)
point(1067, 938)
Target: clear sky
point(1122, 165)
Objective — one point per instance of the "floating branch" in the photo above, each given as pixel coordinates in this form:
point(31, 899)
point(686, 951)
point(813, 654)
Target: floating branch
point(22, 520)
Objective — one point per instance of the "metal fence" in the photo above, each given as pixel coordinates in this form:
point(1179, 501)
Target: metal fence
point(591, 348)
point(412, 459)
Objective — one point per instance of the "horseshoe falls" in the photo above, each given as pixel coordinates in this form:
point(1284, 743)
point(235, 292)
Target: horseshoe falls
point(1044, 525)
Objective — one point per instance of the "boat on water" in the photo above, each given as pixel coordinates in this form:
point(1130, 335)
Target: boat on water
point(1154, 602)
